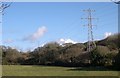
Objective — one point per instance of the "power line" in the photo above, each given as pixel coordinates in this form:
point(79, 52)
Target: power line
point(101, 9)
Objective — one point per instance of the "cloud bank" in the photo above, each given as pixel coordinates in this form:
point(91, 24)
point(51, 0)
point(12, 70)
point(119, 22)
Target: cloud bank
point(36, 35)
point(107, 34)
point(8, 41)
point(63, 41)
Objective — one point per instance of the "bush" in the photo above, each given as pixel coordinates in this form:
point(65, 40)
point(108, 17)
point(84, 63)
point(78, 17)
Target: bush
point(98, 55)
point(117, 61)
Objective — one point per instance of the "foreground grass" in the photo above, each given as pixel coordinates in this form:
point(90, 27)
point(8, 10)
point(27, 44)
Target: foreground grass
point(29, 70)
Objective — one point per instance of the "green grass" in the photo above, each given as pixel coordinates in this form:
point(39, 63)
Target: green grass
point(29, 70)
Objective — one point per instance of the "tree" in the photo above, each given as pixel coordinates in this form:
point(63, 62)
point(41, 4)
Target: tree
point(3, 6)
point(68, 54)
point(117, 61)
point(98, 55)
point(47, 54)
point(51, 52)
point(0, 55)
point(10, 56)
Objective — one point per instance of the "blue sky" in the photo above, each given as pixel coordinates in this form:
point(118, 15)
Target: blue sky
point(25, 25)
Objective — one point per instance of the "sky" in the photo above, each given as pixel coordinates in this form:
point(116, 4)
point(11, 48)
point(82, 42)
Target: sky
point(58, 0)
point(27, 25)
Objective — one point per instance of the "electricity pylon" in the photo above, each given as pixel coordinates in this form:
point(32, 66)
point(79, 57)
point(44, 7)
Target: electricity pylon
point(91, 44)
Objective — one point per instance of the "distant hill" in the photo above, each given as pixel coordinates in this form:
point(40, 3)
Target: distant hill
point(106, 54)
point(113, 41)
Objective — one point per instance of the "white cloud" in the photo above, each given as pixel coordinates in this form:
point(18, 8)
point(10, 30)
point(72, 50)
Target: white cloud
point(107, 34)
point(36, 35)
point(8, 41)
point(63, 41)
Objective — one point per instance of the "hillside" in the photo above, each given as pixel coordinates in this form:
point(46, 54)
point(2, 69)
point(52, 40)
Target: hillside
point(113, 41)
point(106, 54)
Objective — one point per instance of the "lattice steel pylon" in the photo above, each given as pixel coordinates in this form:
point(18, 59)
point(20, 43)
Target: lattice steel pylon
point(91, 43)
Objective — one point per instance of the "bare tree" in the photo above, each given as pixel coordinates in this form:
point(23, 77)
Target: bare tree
point(3, 6)
point(116, 1)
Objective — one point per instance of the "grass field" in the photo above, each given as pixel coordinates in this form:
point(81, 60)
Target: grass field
point(29, 70)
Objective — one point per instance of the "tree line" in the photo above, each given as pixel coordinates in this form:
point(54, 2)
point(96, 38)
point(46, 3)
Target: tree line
point(107, 53)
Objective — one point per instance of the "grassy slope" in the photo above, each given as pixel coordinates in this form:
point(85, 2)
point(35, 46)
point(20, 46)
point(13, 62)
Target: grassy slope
point(17, 70)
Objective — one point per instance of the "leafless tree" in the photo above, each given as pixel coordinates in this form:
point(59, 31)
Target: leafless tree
point(3, 6)
point(116, 1)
